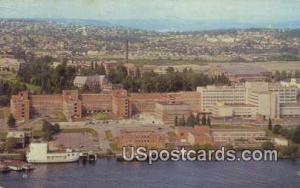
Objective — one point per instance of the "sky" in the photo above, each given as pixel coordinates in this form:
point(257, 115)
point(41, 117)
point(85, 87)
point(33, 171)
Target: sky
point(200, 10)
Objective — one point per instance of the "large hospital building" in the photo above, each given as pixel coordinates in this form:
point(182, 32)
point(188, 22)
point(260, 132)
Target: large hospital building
point(250, 100)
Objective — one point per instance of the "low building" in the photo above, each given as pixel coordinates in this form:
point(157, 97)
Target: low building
point(281, 141)
point(138, 138)
point(92, 82)
point(290, 110)
point(235, 136)
point(168, 111)
point(292, 83)
point(22, 137)
point(198, 135)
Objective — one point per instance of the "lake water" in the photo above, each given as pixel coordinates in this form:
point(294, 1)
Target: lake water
point(108, 173)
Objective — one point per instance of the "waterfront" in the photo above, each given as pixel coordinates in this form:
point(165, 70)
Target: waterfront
point(109, 173)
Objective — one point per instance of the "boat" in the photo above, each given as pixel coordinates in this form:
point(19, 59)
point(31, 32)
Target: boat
point(39, 153)
point(14, 165)
point(88, 156)
point(27, 167)
point(4, 168)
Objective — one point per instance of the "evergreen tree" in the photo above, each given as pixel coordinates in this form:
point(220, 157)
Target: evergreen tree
point(198, 119)
point(11, 122)
point(208, 121)
point(277, 129)
point(138, 73)
point(191, 121)
point(296, 136)
point(203, 120)
point(176, 121)
point(270, 127)
point(183, 121)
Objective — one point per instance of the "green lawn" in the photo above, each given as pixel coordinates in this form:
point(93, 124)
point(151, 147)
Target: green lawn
point(80, 130)
point(3, 135)
point(114, 147)
point(33, 88)
point(101, 116)
point(40, 133)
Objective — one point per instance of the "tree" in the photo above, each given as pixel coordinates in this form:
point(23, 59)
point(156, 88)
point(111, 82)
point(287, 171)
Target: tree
point(283, 75)
point(297, 74)
point(10, 144)
point(290, 150)
point(270, 124)
point(170, 70)
point(198, 119)
point(49, 129)
point(203, 120)
point(276, 129)
point(267, 146)
point(11, 122)
point(191, 121)
point(287, 133)
point(208, 121)
point(181, 121)
point(277, 76)
point(118, 74)
point(296, 135)
point(176, 121)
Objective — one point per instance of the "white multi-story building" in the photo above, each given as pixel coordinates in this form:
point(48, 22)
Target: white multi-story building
point(230, 136)
point(250, 99)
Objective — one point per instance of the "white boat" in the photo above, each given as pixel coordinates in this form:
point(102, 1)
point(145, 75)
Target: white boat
point(39, 153)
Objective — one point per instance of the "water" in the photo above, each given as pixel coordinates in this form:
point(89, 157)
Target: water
point(108, 173)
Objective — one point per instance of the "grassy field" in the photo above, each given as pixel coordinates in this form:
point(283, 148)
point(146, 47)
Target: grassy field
point(3, 135)
point(80, 130)
point(101, 116)
point(114, 147)
point(33, 88)
point(40, 133)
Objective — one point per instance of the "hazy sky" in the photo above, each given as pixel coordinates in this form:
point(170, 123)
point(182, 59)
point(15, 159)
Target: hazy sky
point(238, 10)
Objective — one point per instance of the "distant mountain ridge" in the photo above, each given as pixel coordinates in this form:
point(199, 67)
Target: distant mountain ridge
point(172, 25)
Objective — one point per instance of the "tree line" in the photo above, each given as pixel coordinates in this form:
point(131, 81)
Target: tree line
point(51, 80)
point(9, 88)
point(170, 82)
point(192, 120)
point(284, 75)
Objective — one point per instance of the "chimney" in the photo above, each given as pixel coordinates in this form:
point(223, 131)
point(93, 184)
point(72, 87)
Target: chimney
point(127, 50)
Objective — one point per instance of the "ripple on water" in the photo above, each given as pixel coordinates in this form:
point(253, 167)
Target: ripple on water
point(109, 173)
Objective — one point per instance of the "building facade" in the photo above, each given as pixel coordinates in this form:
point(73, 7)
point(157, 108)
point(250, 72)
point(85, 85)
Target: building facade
point(249, 100)
point(72, 104)
point(141, 138)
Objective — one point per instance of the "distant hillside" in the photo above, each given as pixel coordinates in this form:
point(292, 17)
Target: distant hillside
point(173, 25)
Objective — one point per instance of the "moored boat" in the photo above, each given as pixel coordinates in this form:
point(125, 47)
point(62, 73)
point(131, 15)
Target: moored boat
point(39, 153)
point(15, 165)
point(4, 168)
point(27, 167)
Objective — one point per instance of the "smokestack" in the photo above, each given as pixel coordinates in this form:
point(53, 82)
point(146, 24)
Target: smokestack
point(127, 50)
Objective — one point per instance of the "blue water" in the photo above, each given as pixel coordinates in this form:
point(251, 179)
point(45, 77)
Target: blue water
point(108, 173)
